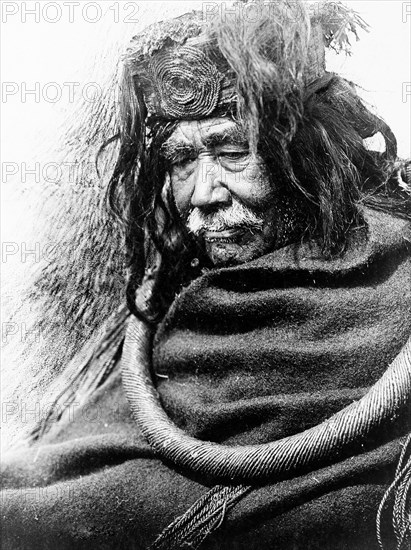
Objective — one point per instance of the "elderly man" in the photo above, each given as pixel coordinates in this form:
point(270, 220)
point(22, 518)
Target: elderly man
point(266, 359)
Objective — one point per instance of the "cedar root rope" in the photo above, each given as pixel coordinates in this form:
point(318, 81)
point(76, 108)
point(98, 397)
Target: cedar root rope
point(346, 430)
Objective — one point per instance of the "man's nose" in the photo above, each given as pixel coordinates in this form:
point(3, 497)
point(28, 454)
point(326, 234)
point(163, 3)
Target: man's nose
point(209, 185)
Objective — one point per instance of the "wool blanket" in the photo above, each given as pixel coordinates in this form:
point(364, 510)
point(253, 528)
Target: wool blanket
point(246, 354)
point(263, 350)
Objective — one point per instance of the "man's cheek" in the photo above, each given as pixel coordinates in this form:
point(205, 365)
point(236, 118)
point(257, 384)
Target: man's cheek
point(255, 191)
point(182, 196)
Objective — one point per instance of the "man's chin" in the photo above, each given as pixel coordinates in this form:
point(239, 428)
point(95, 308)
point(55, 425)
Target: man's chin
point(226, 254)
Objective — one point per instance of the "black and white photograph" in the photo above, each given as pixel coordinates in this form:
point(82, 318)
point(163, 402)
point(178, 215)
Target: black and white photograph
point(205, 275)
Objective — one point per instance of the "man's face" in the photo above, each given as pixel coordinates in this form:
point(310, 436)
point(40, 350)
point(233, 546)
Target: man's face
point(222, 191)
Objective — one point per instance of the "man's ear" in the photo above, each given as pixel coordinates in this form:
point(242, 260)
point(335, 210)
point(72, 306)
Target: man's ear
point(167, 195)
point(168, 219)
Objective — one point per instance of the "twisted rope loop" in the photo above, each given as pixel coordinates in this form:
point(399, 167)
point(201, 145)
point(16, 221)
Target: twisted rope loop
point(346, 431)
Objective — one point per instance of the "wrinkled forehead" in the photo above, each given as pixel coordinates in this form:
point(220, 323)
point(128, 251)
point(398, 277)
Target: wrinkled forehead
point(207, 132)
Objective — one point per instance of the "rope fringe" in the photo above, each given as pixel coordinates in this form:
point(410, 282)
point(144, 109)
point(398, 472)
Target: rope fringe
point(400, 492)
point(204, 517)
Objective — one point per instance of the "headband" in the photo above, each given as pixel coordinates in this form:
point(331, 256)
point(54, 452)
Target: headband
point(182, 74)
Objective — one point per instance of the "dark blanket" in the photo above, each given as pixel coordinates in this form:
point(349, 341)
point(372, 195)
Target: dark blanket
point(245, 354)
point(263, 350)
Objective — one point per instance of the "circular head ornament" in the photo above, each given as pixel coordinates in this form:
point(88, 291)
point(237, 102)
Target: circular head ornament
point(181, 71)
point(186, 81)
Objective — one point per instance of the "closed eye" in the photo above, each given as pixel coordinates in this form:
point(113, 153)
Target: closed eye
point(234, 155)
point(181, 162)
point(178, 154)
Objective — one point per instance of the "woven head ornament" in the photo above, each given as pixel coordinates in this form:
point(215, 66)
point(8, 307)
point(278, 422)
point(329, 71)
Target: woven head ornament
point(186, 68)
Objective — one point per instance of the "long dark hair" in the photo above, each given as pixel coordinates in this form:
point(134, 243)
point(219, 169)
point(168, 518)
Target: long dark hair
point(311, 139)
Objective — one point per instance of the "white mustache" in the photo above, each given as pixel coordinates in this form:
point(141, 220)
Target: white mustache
point(235, 215)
